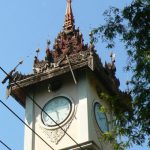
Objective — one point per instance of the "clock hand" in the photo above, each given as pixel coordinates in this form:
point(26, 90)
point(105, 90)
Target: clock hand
point(57, 114)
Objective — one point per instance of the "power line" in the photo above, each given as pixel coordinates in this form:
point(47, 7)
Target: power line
point(25, 124)
point(10, 77)
point(5, 145)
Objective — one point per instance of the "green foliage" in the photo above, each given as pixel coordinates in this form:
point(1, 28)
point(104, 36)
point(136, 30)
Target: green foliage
point(102, 109)
point(132, 26)
point(122, 113)
point(108, 136)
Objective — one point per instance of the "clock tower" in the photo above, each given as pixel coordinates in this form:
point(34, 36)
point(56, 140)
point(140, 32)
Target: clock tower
point(62, 96)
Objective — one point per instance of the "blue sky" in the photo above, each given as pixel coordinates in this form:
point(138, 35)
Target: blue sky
point(26, 25)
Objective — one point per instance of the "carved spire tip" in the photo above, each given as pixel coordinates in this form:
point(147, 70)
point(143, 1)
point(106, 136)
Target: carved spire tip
point(69, 18)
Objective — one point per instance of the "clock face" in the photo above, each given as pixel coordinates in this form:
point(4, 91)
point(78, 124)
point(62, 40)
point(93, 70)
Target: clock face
point(100, 118)
point(58, 109)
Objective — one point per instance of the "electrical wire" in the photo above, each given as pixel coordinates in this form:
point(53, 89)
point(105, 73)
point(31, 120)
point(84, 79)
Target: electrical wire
point(11, 78)
point(5, 145)
point(25, 124)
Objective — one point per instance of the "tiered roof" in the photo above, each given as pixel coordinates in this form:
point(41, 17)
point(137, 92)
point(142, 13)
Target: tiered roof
point(68, 42)
point(69, 54)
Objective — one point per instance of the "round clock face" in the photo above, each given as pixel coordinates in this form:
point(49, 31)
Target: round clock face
point(100, 118)
point(58, 109)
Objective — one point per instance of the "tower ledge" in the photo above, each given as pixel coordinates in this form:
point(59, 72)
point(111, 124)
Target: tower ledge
point(87, 145)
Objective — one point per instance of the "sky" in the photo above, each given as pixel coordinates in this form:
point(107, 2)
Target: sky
point(25, 25)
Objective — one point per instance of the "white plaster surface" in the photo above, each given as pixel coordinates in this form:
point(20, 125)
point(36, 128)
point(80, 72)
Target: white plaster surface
point(81, 124)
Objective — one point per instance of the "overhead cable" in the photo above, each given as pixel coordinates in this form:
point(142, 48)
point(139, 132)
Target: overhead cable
point(5, 145)
point(26, 124)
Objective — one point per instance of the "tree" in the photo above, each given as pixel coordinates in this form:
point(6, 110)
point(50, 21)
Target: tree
point(132, 25)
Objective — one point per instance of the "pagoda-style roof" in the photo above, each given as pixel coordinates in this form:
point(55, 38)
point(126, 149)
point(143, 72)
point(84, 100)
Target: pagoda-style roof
point(69, 54)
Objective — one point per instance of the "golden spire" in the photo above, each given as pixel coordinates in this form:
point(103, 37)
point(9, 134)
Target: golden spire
point(69, 19)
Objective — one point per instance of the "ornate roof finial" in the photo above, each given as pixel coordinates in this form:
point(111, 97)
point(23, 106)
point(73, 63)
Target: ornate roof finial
point(69, 19)
point(37, 52)
point(48, 44)
point(112, 56)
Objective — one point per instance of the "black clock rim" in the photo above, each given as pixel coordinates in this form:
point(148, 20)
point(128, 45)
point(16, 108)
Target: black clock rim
point(70, 102)
point(96, 119)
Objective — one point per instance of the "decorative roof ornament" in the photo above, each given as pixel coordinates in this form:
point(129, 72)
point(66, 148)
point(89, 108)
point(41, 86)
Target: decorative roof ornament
point(113, 57)
point(69, 41)
point(111, 67)
point(37, 52)
point(48, 42)
point(91, 41)
point(69, 18)
point(12, 72)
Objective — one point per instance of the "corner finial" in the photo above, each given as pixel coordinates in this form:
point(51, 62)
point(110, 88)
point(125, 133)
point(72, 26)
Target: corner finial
point(37, 52)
